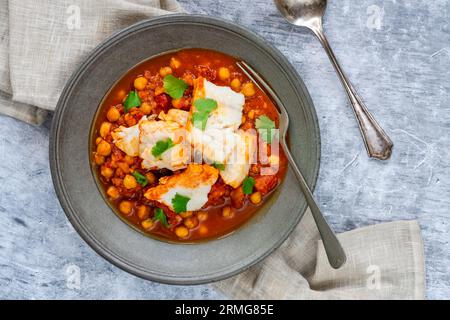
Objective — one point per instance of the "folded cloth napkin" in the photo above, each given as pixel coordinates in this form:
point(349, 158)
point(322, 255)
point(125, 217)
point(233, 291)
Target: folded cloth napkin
point(42, 42)
point(384, 261)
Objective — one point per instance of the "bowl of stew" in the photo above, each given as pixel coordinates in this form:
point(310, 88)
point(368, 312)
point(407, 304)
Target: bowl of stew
point(164, 154)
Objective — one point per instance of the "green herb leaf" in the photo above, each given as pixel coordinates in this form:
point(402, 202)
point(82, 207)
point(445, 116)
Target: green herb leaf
point(160, 216)
point(179, 203)
point(248, 185)
point(203, 108)
point(174, 87)
point(219, 166)
point(199, 120)
point(265, 128)
point(140, 178)
point(162, 146)
point(132, 101)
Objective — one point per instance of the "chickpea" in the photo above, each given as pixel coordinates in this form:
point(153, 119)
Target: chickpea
point(256, 197)
point(181, 232)
point(243, 119)
point(98, 140)
point(151, 178)
point(227, 212)
point(99, 160)
point(105, 128)
point(248, 89)
point(203, 229)
point(106, 172)
point(113, 114)
point(186, 214)
point(104, 148)
point(174, 63)
point(251, 114)
point(147, 224)
point(143, 212)
point(125, 207)
point(145, 108)
point(224, 73)
point(176, 103)
point(235, 84)
point(191, 222)
point(202, 216)
point(164, 71)
point(113, 192)
point(129, 182)
point(140, 83)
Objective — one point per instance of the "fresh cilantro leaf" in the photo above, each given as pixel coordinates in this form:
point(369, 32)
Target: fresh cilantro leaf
point(179, 203)
point(248, 185)
point(219, 166)
point(203, 108)
point(199, 120)
point(162, 146)
point(160, 216)
point(265, 128)
point(140, 178)
point(174, 87)
point(132, 100)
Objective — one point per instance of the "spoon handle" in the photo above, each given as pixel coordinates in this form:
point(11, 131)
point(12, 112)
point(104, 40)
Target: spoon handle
point(335, 253)
point(377, 142)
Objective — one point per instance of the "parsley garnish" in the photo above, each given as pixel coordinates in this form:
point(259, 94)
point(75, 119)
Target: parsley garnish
point(219, 166)
point(265, 128)
point(174, 87)
point(132, 101)
point(160, 216)
point(203, 108)
point(248, 184)
point(179, 203)
point(140, 178)
point(162, 146)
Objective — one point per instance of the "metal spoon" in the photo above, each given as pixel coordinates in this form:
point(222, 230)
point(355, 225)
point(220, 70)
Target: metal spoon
point(309, 13)
point(335, 253)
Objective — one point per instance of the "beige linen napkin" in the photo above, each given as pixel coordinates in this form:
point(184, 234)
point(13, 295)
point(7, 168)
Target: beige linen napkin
point(42, 42)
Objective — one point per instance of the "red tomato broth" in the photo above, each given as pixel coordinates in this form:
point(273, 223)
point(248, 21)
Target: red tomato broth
point(195, 62)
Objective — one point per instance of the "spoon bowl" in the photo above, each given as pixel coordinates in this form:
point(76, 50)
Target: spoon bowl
point(302, 13)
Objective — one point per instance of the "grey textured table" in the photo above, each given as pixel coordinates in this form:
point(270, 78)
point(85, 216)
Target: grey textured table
point(396, 52)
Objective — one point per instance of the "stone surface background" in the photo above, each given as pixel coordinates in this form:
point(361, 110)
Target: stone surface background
point(397, 53)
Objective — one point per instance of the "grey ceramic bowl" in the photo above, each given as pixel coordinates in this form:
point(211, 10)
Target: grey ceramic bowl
point(93, 218)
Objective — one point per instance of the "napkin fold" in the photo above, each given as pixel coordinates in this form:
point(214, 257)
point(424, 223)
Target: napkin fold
point(41, 44)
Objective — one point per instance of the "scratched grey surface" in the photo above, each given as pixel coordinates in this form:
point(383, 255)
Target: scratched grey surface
point(396, 52)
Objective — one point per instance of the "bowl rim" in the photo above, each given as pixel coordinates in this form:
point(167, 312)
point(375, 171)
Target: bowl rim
point(61, 105)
